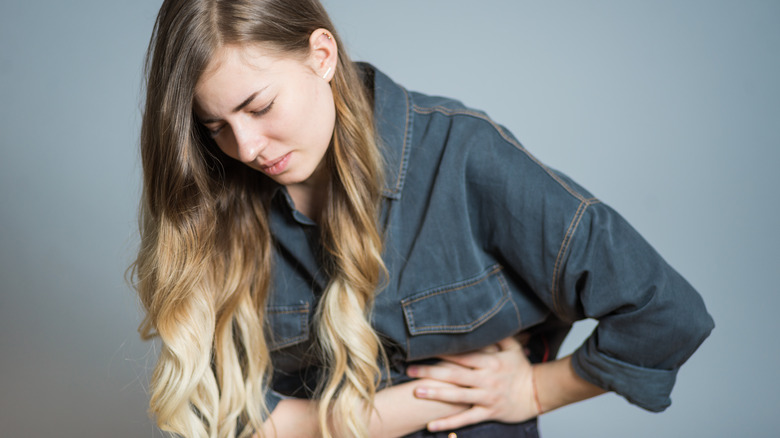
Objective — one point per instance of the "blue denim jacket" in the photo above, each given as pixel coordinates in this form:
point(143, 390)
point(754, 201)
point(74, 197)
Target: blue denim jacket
point(482, 242)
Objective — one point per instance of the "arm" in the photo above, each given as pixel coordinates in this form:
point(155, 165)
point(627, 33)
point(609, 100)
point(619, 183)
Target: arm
point(397, 412)
point(557, 385)
point(581, 260)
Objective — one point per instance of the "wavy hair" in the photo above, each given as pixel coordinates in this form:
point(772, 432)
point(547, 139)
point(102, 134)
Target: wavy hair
point(203, 270)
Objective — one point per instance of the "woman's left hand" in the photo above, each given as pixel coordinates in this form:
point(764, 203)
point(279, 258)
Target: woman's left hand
point(497, 382)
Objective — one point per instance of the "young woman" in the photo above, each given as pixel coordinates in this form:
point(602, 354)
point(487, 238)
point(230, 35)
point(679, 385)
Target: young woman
point(325, 253)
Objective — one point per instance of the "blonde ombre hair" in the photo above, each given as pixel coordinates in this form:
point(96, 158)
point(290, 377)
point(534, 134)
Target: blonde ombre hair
point(203, 270)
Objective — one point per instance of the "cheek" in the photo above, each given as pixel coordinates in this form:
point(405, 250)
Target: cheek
point(325, 113)
point(306, 119)
point(302, 119)
point(283, 125)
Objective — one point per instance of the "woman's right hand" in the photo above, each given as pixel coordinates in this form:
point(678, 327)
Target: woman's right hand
point(496, 381)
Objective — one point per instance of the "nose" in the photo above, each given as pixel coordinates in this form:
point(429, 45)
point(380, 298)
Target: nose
point(250, 142)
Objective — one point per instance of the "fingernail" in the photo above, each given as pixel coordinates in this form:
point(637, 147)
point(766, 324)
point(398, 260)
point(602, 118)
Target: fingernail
point(421, 391)
point(412, 371)
point(433, 426)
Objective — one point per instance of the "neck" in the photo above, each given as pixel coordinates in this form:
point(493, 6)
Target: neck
point(310, 196)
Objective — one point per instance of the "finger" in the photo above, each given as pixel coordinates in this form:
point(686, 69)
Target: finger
point(490, 349)
point(454, 395)
point(509, 343)
point(445, 372)
point(471, 416)
point(476, 360)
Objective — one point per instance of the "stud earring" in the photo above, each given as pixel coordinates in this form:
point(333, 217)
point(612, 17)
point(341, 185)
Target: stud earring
point(326, 73)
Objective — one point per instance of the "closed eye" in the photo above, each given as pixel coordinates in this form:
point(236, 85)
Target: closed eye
point(264, 110)
point(215, 132)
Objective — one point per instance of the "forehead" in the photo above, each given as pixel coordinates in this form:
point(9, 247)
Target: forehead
point(234, 62)
point(238, 70)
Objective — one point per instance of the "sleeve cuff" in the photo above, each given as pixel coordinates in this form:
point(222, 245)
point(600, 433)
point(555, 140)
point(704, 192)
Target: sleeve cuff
point(647, 388)
point(272, 398)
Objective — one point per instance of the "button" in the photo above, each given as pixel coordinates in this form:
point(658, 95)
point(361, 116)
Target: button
point(452, 435)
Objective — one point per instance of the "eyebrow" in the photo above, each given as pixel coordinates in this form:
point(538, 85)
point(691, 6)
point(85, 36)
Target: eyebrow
point(241, 106)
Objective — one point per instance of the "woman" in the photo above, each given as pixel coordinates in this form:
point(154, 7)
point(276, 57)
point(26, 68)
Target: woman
point(327, 254)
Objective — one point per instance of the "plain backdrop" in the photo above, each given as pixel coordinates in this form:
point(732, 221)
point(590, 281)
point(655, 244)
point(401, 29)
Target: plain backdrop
point(669, 110)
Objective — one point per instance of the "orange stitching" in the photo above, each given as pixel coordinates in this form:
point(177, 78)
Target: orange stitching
point(302, 321)
point(291, 308)
point(559, 257)
point(409, 312)
point(458, 328)
point(288, 341)
point(575, 222)
point(287, 312)
point(517, 311)
point(403, 148)
point(468, 283)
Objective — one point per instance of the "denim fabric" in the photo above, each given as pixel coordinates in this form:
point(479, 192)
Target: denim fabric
point(490, 429)
point(482, 242)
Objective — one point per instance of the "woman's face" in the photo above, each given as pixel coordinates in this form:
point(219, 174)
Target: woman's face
point(272, 112)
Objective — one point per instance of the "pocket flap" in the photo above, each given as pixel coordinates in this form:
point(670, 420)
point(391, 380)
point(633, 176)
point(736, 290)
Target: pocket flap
point(289, 325)
point(458, 307)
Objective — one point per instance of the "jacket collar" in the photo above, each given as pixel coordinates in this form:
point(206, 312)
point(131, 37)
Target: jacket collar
point(393, 121)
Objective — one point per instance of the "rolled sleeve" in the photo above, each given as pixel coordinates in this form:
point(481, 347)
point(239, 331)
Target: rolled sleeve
point(272, 398)
point(583, 260)
point(624, 378)
point(650, 319)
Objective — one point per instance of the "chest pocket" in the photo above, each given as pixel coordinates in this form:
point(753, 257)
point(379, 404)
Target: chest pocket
point(289, 325)
point(459, 317)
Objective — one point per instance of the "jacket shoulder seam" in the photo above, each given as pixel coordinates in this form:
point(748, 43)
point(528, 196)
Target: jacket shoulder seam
point(471, 113)
point(392, 191)
point(558, 301)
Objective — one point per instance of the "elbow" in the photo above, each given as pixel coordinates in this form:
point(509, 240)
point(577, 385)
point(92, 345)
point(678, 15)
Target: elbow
point(694, 329)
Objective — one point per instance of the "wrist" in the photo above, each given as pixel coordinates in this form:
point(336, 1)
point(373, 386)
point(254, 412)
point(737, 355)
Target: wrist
point(556, 385)
point(535, 392)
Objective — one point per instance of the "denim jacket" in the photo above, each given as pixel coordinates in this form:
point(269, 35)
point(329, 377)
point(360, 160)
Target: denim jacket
point(482, 241)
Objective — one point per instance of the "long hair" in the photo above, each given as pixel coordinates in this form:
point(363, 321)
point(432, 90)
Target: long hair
point(203, 270)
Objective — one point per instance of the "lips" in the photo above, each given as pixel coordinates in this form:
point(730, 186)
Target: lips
point(277, 166)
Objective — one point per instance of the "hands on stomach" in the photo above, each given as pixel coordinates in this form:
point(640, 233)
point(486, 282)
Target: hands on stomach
point(496, 383)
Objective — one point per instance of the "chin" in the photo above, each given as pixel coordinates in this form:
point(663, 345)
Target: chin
point(290, 179)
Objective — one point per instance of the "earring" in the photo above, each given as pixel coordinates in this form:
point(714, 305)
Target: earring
point(326, 73)
point(327, 36)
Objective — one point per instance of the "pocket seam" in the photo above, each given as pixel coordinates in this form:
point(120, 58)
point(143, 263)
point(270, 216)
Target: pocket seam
point(303, 319)
point(460, 328)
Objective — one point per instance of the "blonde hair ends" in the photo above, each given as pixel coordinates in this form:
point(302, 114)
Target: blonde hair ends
point(203, 270)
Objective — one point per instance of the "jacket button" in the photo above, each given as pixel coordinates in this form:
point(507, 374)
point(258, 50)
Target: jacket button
point(452, 435)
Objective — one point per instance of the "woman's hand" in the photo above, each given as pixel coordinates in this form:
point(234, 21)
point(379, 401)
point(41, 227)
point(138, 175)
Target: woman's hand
point(496, 381)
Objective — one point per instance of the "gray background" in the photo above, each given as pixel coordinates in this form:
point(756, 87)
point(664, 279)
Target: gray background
point(667, 110)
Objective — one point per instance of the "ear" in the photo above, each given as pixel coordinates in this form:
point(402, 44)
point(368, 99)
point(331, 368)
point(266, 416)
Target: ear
point(323, 53)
